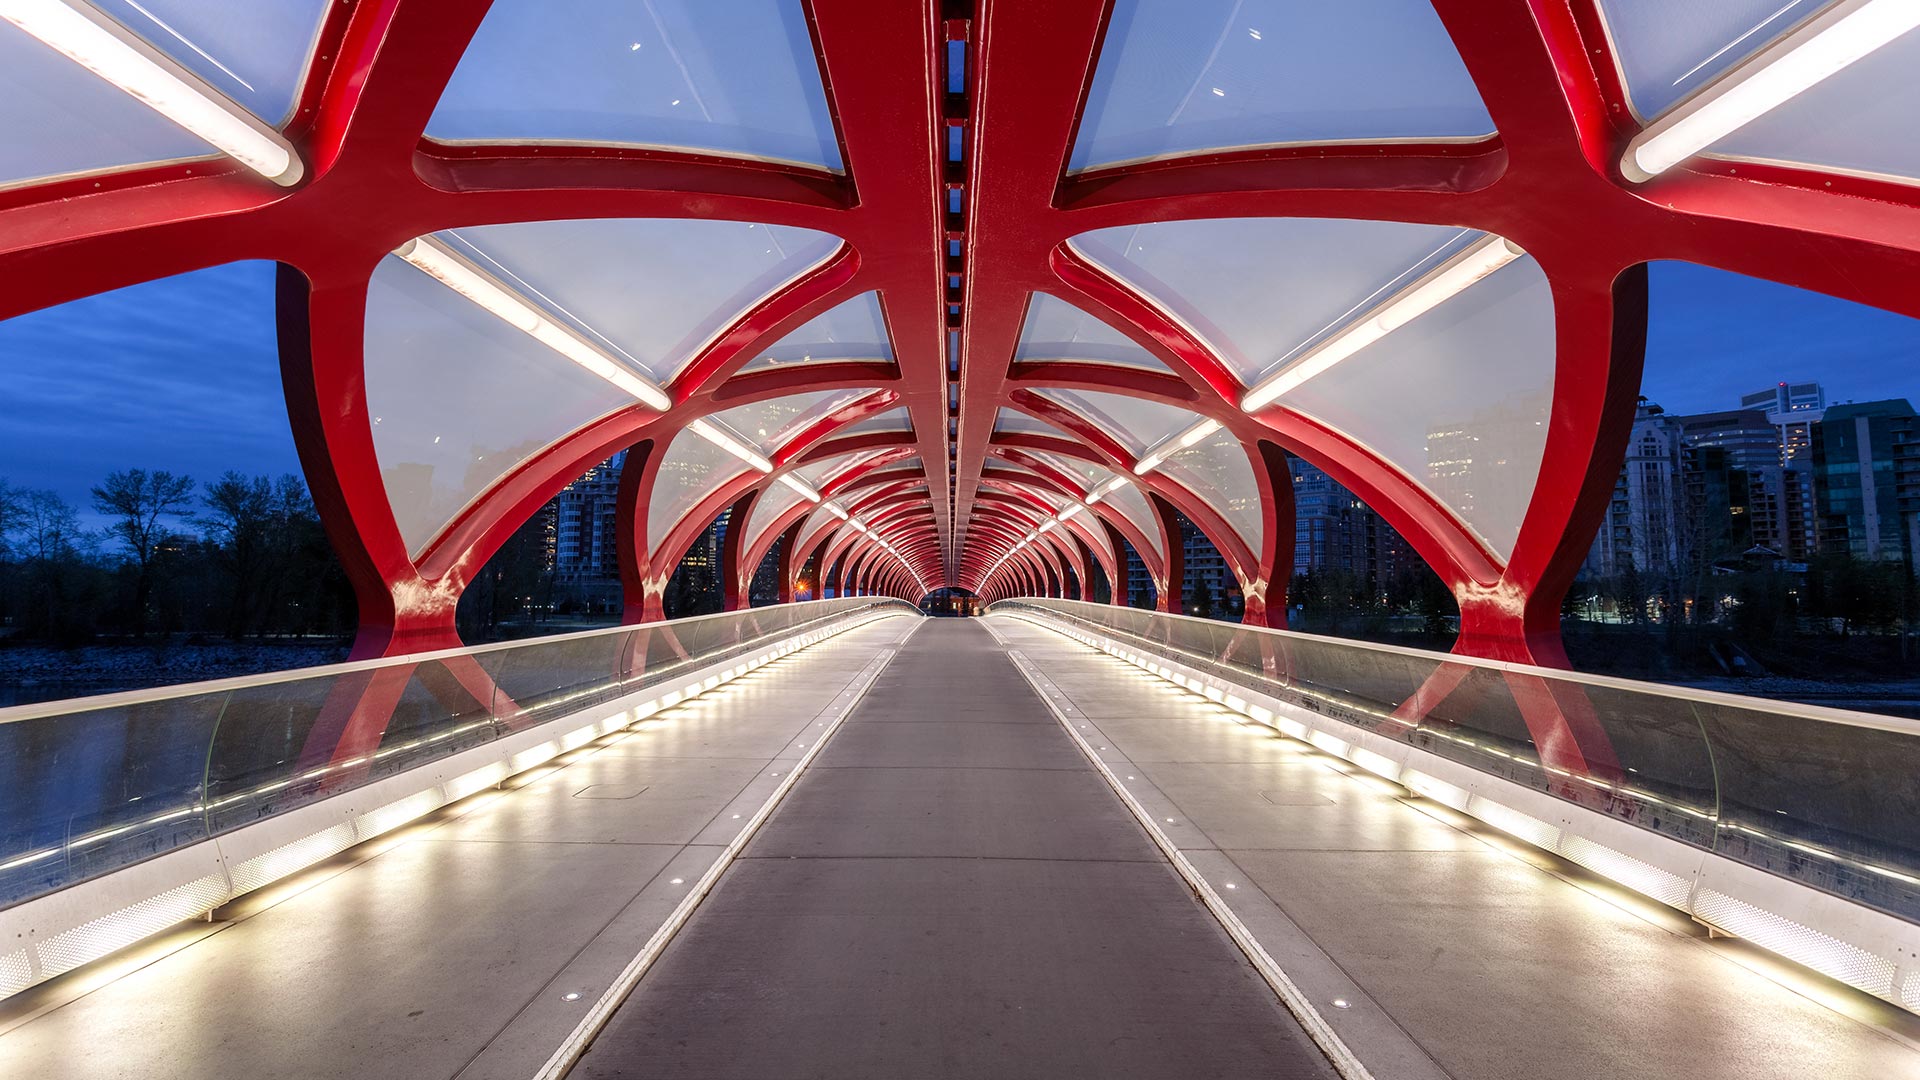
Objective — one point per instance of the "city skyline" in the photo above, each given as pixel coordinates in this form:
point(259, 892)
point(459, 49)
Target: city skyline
point(182, 373)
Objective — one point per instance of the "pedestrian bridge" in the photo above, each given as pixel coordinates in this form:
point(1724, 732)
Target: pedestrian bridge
point(840, 839)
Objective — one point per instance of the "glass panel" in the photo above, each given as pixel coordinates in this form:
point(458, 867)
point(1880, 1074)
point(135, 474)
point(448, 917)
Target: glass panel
point(1784, 788)
point(820, 472)
point(98, 787)
point(854, 330)
point(1089, 474)
point(1457, 399)
point(1667, 50)
point(1216, 469)
point(770, 424)
point(653, 291)
point(1184, 76)
point(1132, 504)
point(1221, 276)
point(57, 117)
point(1015, 422)
point(774, 500)
point(738, 78)
point(1858, 120)
point(890, 420)
point(459, 397)
point(1057, 330)
point(1135, 423)
point(692, 469)
point(254, 53)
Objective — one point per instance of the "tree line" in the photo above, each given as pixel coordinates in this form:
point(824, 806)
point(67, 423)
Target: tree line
point(242, 557)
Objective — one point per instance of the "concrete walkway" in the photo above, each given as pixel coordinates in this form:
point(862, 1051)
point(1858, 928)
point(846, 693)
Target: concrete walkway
point(952, 890)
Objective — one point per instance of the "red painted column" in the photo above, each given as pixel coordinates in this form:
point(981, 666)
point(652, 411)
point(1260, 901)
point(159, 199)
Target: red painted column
point(736, 580)
point(788, 570)
point(642, 595)
point(1266, 595)
point(1173, 586)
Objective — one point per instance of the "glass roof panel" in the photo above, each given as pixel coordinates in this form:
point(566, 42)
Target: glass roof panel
point(653, 291)
point(693, 469)
point(1057, 330)
point(1135, 423)
point(459, 397)
point(1087, 473)
point(1014, 422)
point(769, 424)
point(1858, 120)
point(1186, 76)
point(1458, 399)
point(737, 78)
point(1222, 276)
point(57, 118)
point(254, 53)
point(1131, 503)
point(1216, 469)
point(775, 499)
point(1667, 50)
point(854, 330)
point(820, 472)
point(890, 420)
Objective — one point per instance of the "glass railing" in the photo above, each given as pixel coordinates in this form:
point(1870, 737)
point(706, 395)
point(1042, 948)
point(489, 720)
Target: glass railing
point(91, 785)
point(1825, 797)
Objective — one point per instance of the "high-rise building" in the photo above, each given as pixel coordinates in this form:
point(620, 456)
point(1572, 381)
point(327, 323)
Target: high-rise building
point(587, 525)
point(1866, 477)
point(1780, 496)
point(1334, 531)
point(1793, 408)
point(1677, 505)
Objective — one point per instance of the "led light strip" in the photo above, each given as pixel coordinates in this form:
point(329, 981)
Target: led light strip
point(1478, 261)
point(1836, 958)
point(83, 34)
point(731, 445)
point(1053, 522)
point(441, 263)
point(1173, 445)
point(805, 489)
point(1823, 46)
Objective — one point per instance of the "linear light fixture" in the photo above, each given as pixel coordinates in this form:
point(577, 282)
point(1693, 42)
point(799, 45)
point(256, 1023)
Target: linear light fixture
point(1106, 489)
point(1823, 46)
point(805, 489)
point(1172, 446)
point(80, 32)
point(1475, 263)
point(836, 511)
point(731, 445)
point(441, 263)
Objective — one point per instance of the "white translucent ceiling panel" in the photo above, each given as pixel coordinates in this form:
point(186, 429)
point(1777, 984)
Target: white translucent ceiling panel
point(853, 330)
point(1859, 120)
point(693, 469)
point(1185, 76)
point(1458, 399)
point(1259, 291)
point(1014, 422)
point(775, 499)
point(820, 472)
point(1088, 474)
point(1135, 423)
point(1667, 49)
point(255, 53)
point(1216, 469)
point(459, 397)
point(654, 291)
point(1131, 503)
point(890, 420)
point(737, 77)
point(57, 117)
point(1057, 330)
point(769, 424)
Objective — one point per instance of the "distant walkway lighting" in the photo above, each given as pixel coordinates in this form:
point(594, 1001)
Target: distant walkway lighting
point(441, 263)
point(86, 36)
point(1824, 46)
point(1444, 282)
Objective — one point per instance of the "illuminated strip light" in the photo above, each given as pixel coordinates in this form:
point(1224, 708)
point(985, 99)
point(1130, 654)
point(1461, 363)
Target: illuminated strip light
point(805, 489)
point(93, 40)
point(1170, 447)
point(731, 445)
point(1478, 261)
point(1106, 489)
point(440, 263)
point(1824, 46)
point(836, 510)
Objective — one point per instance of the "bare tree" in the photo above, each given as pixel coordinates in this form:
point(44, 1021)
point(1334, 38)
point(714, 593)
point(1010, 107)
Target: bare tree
point(12, 510)
point(140, 502)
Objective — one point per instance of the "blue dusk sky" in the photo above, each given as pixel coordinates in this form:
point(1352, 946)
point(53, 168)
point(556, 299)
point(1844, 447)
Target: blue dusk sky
point(182, 373)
